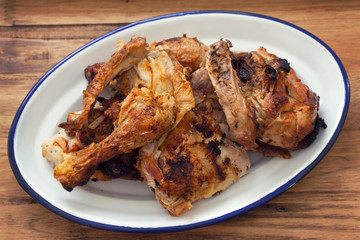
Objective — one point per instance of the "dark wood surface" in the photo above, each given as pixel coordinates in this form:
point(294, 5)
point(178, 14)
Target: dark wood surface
point(35, 35)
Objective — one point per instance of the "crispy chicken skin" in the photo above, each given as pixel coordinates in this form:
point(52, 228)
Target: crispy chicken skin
point(286, 109)
point(168, 76)
point(194, 161)
point(161, 72)
point(144, 116)
point(190, 52)
point(240, 116)
point(122, 60)
point(54, 148)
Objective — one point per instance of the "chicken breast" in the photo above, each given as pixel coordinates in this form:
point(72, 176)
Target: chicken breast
point(194, 161)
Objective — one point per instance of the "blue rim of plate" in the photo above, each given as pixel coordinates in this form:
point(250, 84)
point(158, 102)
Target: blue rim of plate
point(230, 215)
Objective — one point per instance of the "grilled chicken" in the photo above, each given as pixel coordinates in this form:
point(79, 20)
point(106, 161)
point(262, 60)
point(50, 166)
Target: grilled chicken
point(144, 116)
point(204, 92)
point(190, 52)
point(240, 116)
point(54, 148)
point(161, 72)
point(182, 116)
point(194, 161)
point(168, 76)
point(130, 54)
point(285, 108)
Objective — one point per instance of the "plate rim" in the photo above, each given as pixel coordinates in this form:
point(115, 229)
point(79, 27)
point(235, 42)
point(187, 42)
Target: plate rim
point(22, 182)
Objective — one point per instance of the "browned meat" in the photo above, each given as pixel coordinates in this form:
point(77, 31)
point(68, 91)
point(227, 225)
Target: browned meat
point(267, 107)
point(204, 92)
point(286, 109)
point(121, 166)
point(168, 76)
point(144, 116)
point(190, 52)
point(194, 161)
point(239, 115)
point(91, 71)
point(131, 53)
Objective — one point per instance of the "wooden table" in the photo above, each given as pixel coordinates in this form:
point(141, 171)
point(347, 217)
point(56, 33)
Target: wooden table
point(34, 35)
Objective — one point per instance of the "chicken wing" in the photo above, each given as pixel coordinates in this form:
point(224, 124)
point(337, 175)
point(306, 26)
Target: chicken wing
point(159, 71)
point(124, 59)
point(194, 161)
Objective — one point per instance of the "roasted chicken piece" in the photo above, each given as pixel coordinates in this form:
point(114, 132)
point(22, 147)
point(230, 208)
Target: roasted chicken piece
point(159, 71)
point(286, 109)
point(144, 116)
point(204, 92)
point(266, 92)
point(168, 77)
point(121, 166)
point(207, 100)
point(190, 52)
point(54, 148)
point(101, 119)
point(121, 61)
point(194, 161)
point(240, 116)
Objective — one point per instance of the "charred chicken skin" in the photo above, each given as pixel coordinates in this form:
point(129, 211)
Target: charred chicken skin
point(240, 116)
point(143, 117)
point(194, 161)
point(264, 91)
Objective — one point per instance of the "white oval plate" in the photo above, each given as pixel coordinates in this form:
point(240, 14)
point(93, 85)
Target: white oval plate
point(122, 205)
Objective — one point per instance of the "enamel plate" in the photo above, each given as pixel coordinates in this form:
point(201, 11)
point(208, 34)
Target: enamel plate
point(123, 205)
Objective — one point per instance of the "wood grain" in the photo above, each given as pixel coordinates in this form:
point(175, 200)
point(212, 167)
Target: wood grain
point(35, 35)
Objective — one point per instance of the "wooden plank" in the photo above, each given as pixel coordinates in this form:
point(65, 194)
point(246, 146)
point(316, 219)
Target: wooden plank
point(45, 12)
